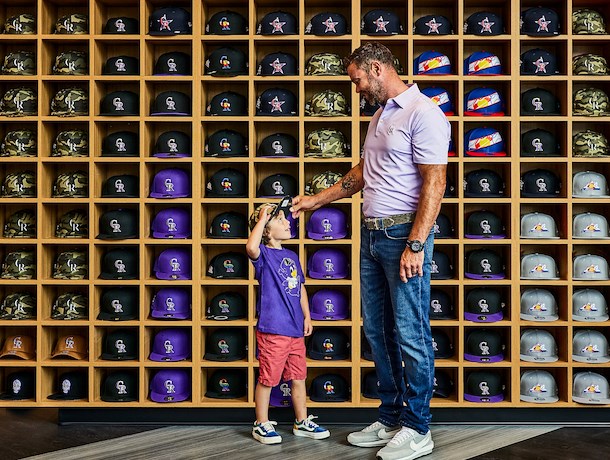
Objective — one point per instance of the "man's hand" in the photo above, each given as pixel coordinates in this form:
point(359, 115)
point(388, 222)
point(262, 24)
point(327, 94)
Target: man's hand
point(411, 264)
point(307, 328)
point(303, 203)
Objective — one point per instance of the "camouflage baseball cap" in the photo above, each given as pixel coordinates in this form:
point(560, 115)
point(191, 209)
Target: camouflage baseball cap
point(19, 102)
point(19, 305)
point(21, 24)
point(19, 265)
point(70, 102)
point(21, 224)
point(326, 143)
point(591, 102)
point(587, 21)
point(19, 185)
point(72, 24)
point(325, 64)
point(71, 63)
point(322, 181)
point(327, 103)
point(71, 265)
point(71, 143)
point(256, 213)
point(73, 224)
point(70, 305)
point(19, 63)
point(590, 144)
point(19, 143)
point(74, 184)
point(590, 64)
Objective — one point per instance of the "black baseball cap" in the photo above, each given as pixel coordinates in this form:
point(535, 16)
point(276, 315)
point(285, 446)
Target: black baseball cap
point(381, 22)
point(538, 62)
point(277, 65)
point(483, 183)
point(441, 305)
point(484, 305)
point(229, 224)
point(120, 104)
point(539, 143)
point(485, 264)
point(443, 228)
point(119, 304)
point(443, 384)
point(170, 21)
point(441, 343)
point(327, 23)
point(226, 62)
point(227, 383)
point(20, 385)
point(540, 183)
point(276, 102)
point(433, 25)
point(227, 182)
point(70, 386)
point(120, 264)
point(484, 346)
point(442, 269)
point(121, 186)
point(278, 185)
point(122, 25)
point(173, 144)
point(120, 345)
point(329, 388)
point(120, 386)
point(119, 224)
point(173, 63)
point(539, 21)
point(171, 103)
point(228, 265)
point(226, 344)
point(484, 224)
point(121, 65)
point(484, 387)
point(121, 144)
point(484, 23)
point(278, 23)
point(227, 103)
point(227, 306)
point(327, 344)
point(227, 23)
point(278, 145)
point(226, 143)
point(539, 101)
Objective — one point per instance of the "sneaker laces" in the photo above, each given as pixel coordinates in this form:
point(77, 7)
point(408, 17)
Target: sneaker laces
point(268, 426)
point(309, 423)
point(404, 434)
point(376, 426)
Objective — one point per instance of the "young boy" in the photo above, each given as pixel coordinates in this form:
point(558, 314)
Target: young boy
point(283, 321)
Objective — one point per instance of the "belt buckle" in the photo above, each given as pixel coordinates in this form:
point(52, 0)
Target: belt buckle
point(391, 220)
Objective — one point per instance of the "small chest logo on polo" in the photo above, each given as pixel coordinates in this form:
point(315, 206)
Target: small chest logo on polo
point(484, 141)
point(485, 265)
point(223, 346)
point(169, 304)
point(539, 388)
point(118, 104)
point(538, 307)
point(538, 348)
point(225, 104)
point(278, 188)
point(120, 346)
point(543, 24)
point(169, 347)
point(433, 26)
point(590, 348)
point(277, 66)
point(120, 65)
point(592, 389)
point(121, 387)
point(485, 227)
point(65, 386)
point(588, 307)
point(175, 264)
point(224, 385)
point(120, 144)
point(171, 225)
point(120, 25)
point(486, 25)
point(170, 104)
point(120, 266)
point(483, 305)
point(164, 23)
point(540, 64)
point(484, 347)
point(225, 226)
point(226, 184)
point(330, 25)
point(483, 102)
point(539, 268)
point(484, 63)
point(433, 63)
point(380, 24)
point(278, 26)
point(115, 225)
point(276, 104)
point(484, 387)
point(484, 184)
point(436, 306)
point(224, 306)
point(117, 306)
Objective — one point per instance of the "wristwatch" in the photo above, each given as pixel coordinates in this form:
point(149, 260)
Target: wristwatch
point(415, 245)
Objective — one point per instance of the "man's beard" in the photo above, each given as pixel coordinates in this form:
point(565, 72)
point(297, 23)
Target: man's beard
point(375, 95)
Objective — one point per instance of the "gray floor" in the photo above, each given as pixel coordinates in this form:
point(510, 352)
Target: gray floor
point(235, 443)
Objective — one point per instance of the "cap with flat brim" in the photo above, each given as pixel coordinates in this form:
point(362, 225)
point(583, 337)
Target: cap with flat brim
point(484, 359)
point(484, 399)
point(478, 318)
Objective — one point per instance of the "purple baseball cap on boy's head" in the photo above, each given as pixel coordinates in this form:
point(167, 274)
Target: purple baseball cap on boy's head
point(327, 224)
point(170, 385)
point(171, 183)
point(173, 264)
point(172, 223)
point(329, 304)
point(281, 394)
point(328, 263)
point(171, 345)
point(171, 303)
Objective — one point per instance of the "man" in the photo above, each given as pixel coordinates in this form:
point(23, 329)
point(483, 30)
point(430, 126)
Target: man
point(402, 174)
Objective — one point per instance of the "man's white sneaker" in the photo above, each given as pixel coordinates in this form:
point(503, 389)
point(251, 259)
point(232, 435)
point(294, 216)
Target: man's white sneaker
point(374, 435)
point(407, 444)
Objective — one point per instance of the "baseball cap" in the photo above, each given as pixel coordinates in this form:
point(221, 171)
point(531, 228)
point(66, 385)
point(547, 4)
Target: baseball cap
point(589, 184)
point(328, 343)
point(381, 22)
point(172, 344)
point(120, 345)
point(540, 183)
point(484, 23)
point(171, 183)
point(483, 183)
point(71, 346)
point(278, 145)
point(120, 104)
point(70, 386)
point(440, 96)
point(590, 64)
point(121, 65)
point(589, 305)
point(329, 388)
point(20, 385)
point(121, 144)
point(276, 102)
point(329, 304)
point(227, 306)
point(441, 344)
point(484, 305)
point(483, 102)
point(170, 385)
point(484, 142)
point(538, 225)
point(227, 182)
point(122, 25)
point(278, 23)
point(484, 387)
point(119, 304)
point(170, 21)
point(589, 143)
point(172, 144)
point(441, 305)
point(226, 62)
point(228, 265)
point(538, 266)
point(120, 386)
point(433, 25)
point(538, 305)
point(18, 305)
point(538, 62)
point(173, 264)
point(538, 386)
point(69, 306)
point(539, 143)
point(590, 346)
point(171, 303)
point(590, 388)
point(227, 383)
point(538, 346)
point(226, 344)
point(432, 63)
point(443, 384)
point(484, 346)
point(120, 264)
point(589, 225)
point(591, 102)
point(441, 266)
point(539, 101)
point(278, 65)
point(539, 21)
point(173, 63)
point(121, 186)
point(277, 185)
point(484, 264)
point(326, 23)
point(328, 263)
point(171, 103)
point(590, 267)
point(229, 225)
point(19, 346)
point(483, 225)
point(171, 223)
point(227, 22)
point(118, 224)
point(443, 227)
point(327, 223)
point(227, 103)
point(482, 63)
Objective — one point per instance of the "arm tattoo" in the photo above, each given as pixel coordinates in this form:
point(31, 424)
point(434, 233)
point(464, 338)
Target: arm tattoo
point(348, 183)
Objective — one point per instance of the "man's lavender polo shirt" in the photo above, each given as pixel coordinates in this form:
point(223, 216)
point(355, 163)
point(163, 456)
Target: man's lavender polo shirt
point(411, 129)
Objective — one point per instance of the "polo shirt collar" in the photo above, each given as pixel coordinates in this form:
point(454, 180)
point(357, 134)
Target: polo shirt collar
point(403, 98)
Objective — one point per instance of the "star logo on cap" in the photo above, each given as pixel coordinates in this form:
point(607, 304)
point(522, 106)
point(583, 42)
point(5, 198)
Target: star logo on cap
point(540, 64)
point(277, 25)
point(276, 104)
point(164, 23)
point(330, 25)
point(486, 25)
point(433, 26)
point(543, 24)
point(278, 67)
point(380, 24)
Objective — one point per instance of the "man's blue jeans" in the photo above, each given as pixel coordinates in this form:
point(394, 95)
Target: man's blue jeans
point(397, 326)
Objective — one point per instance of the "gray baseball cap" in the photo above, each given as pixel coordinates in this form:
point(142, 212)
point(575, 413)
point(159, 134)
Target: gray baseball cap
point(590, 388)
point(590, 267)
point(589, 346)
point(538, 225)
point(590, 225)
point(589, 184)
point(538, 387)
point(589, 305)
point(538, 266)
point(538, 346)
point(538, 305)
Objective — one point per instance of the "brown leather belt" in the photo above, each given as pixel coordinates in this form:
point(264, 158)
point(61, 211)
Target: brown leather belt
point(379, 223)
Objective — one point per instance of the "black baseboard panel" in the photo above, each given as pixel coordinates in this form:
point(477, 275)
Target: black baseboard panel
point(330, 416)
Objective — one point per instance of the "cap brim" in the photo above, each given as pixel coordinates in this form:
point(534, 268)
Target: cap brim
point(17, 354)
point(169, 114)
point(61, 396)
point(115, 399)
point(475, 276)
point(484, 399)
point(435, 276)
point(539, 318)
point(171, 155)
point(538, 359)
point(161, 398)
point(69, 354)
point(479, 114)
point(532, 114)
point(328, 399)
point(477, 318)
point(165, 315)
point(324, 236)
point(316, 355)
point(485, 237)
point(172, 236)
point(538, 155)
point(111, 276)
point(167, 276)
point(539, 278)
point(485, 195)
point(323, 276)
point(588, 359)
point(582, 400)
point(176, 195)
point(589, 319)
point(113, 357)
point(102, 236)
point(589, 279)
point(370, 395)
point(118, 155)
point(484, 359)
point(104, 316)
point(482, 154)
point(320, 317)
point(591, 237)
point(589, 197)
point(13, 397)
point(123, 114)
point(216, 395)
point(215, 357)
point(545, 400)
point(164, 358)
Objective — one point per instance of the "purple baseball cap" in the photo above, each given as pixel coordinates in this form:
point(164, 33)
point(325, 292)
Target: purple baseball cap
point(171, 303)
point(327, 224)
point(328, 263)
point(329, 304)
point(170, 385)
point(281, 394)
point(173, 264)
point(172, 223)
point(171, 345)
point(171, 183)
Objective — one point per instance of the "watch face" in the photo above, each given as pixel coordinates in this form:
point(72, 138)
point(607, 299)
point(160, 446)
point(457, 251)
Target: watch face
point(416, 246)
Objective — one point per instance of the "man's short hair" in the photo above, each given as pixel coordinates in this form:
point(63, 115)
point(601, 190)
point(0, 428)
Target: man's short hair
point(362, 56)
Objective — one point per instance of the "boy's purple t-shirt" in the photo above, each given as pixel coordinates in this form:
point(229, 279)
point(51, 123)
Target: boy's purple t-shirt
point(278, 303)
